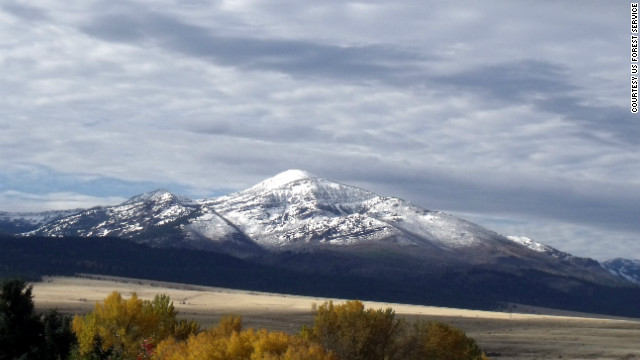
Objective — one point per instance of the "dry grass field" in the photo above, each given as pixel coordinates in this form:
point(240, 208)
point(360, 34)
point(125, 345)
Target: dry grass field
point(506, 336)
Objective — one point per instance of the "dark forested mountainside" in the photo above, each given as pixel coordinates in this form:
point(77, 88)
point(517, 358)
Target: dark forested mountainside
point(476, 288)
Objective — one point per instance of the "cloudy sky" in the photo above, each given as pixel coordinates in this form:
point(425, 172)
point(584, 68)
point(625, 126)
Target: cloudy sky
point(514, 115)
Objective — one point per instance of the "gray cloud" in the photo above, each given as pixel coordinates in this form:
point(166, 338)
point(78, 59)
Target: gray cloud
point(25, 12)
point(519, 81)
point(547, 87)
point(294, 57)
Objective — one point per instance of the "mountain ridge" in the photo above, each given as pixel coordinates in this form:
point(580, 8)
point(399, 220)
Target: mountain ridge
point(296, 211)
point(625, 268)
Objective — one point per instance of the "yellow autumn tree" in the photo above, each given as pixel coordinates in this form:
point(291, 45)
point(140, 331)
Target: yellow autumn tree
point(129, 328)
point(228, 341)
point(439, 341)
point(135, 329)
point(355, 333)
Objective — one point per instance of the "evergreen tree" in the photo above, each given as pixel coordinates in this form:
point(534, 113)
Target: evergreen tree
point(58, 337)
point(20, 330)
point(26, 336)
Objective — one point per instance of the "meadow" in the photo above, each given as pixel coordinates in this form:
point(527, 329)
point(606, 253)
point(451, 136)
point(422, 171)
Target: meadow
point(522, 333)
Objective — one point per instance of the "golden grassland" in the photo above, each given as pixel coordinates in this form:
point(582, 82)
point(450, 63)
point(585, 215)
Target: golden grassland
point(519, 334)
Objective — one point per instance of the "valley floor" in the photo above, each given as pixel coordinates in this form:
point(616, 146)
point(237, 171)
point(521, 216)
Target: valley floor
point(508, 336)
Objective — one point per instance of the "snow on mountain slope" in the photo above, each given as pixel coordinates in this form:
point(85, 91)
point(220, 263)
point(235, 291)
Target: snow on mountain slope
point(296, 209)
point(209, 225)
point(442, 228)
point(157, 218)
point(128, 219)
point(539, 247)
point(624, 268)
point(207, 230)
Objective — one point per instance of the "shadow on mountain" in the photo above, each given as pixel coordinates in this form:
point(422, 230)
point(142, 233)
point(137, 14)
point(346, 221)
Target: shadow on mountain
point(319, 273)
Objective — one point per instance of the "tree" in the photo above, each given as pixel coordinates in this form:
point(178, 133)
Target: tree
point(19, 328)
point(229, 341)
point(355, 333)
point(137, 329)
point(128, 328)
point(58, 337)
point(439, 341)
point(24, 334)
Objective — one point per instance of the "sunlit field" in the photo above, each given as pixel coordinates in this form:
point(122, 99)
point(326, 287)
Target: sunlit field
point(503, 335)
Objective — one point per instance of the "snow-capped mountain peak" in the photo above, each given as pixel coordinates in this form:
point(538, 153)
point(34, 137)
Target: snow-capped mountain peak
point(290, 188)
point(282, 179)
point(159, 195)
point(296, 209)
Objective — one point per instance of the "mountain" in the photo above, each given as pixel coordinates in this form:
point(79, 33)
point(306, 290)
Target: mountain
point(20, 222)
point(157, 218)
point(627, 269)
point(298, 212)
point(303, 224)
point(130, 219)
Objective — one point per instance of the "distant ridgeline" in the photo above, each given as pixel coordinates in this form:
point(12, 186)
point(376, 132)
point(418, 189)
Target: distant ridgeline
point(302, 274)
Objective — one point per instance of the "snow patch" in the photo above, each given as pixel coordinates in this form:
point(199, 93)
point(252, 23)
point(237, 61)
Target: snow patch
point(531, 244)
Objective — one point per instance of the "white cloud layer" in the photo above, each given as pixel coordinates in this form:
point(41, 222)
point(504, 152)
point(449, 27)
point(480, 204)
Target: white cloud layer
point(26, 202)
point(485, 108)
